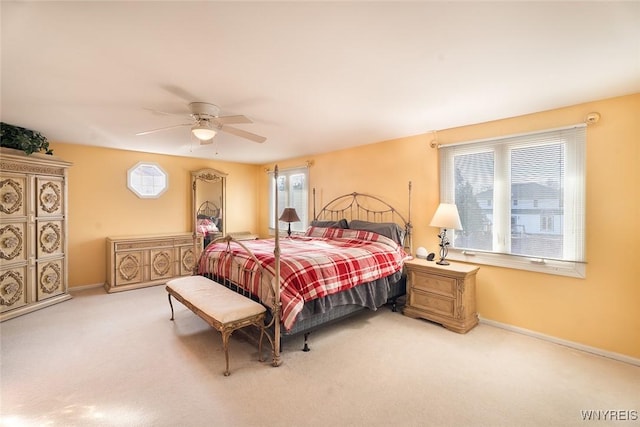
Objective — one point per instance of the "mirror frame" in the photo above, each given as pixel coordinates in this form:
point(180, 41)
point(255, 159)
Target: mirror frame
point(208, 175)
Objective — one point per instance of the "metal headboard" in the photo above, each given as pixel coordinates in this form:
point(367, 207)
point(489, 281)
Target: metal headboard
point(209, 209)
point(364, 207)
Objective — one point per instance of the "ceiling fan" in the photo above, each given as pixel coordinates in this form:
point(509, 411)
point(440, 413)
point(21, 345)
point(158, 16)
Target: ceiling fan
point(206, 123)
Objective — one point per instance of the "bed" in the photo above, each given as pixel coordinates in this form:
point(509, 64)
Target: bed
point(350, 259)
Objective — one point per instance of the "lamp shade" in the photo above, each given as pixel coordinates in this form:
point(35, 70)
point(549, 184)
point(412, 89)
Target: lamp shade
point(289, 215)
point(447, 217)
point(203, 130)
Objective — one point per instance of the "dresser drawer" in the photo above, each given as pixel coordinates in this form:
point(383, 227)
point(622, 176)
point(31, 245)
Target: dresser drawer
point(433, 303)
point(143, 244)
point(433, 283)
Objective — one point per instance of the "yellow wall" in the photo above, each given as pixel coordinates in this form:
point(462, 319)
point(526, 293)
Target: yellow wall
point(101, 204)
point(599, 311)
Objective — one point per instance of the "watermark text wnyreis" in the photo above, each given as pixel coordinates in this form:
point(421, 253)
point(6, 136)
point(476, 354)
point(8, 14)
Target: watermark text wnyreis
point(609, 415)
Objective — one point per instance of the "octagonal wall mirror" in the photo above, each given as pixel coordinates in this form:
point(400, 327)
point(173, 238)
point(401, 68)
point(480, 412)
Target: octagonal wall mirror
point(147, 180)
point(209, 200)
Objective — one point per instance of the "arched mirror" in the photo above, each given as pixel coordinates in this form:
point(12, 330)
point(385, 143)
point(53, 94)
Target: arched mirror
point(209, 199)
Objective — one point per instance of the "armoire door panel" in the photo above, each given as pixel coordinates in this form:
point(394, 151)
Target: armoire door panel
point(13, 288)
point(50, 238)
point(13, 196)
point(49, 197)
point(13, 243)
point(49, 279)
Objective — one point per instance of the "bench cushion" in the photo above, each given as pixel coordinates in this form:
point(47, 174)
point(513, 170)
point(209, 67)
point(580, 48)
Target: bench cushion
point(215, 299)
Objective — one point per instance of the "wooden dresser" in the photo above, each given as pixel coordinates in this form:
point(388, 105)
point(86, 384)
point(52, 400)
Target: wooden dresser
point(33, 232)
point(444, 294)
point(138, 261)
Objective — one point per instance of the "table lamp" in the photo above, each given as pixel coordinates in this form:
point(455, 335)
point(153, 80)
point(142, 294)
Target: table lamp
point(445, 218)
point(289, 215)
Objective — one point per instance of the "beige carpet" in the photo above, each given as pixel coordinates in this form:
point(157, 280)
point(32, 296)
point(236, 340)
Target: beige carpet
point(116, 360)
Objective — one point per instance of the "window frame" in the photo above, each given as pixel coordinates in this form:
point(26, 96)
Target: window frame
point(136, 174)
point(296, 227)
point(574, 181)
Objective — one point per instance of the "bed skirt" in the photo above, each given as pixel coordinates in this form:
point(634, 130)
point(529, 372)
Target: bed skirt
point(338, 306)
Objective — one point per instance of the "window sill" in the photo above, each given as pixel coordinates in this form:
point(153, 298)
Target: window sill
point(546, 266)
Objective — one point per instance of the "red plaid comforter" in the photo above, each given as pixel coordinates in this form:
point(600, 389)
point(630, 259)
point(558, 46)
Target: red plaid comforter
point(324, 262)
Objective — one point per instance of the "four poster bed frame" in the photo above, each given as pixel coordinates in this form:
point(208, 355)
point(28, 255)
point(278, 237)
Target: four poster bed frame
point(258, 281)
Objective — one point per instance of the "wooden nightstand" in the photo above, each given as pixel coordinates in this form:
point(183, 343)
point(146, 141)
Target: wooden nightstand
point(445, 294)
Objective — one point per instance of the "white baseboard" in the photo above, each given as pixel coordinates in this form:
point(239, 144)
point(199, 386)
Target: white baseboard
point(566, 343)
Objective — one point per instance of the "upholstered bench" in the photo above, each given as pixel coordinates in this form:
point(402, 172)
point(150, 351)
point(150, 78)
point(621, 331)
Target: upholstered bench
point(222, 308)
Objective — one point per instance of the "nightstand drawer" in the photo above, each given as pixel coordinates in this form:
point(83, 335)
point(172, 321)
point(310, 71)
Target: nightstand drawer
point(433, 283)
point(433, 303)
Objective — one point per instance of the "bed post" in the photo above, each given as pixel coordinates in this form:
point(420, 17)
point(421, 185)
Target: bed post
point(409, 225)
point(194, 221)
point(277, 305)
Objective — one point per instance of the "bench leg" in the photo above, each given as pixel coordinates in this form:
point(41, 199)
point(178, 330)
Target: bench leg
point(225, 346)
point(260, 342)
point(170, 305)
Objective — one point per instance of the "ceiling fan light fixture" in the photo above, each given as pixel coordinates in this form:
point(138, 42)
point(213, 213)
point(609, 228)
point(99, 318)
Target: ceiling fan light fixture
point(203, 131)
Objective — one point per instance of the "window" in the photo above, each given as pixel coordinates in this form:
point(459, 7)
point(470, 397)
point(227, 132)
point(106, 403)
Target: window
point(293, 192)
point(521, 200)
point(147, 180)
point(546, 223)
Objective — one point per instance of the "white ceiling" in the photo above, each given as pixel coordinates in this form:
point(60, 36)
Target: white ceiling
point(313, 76)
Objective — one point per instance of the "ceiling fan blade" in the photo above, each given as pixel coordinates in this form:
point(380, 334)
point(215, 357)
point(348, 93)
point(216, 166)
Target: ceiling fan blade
point(179, 92)
point(161, 129)
point(230, 120)
point(166, 113)
point(243, 134)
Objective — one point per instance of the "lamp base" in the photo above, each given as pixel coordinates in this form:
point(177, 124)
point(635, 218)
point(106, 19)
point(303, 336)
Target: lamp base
point(444, 248)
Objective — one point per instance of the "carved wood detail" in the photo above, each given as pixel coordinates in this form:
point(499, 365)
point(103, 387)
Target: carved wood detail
point(50, 237)
point(50, 197)
point(11, 287)
point(129, 267)
point(50, 278)
point(31, 168)
point(162, 263)
point(10, 242)
point(188, 260)
point(11, 200)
